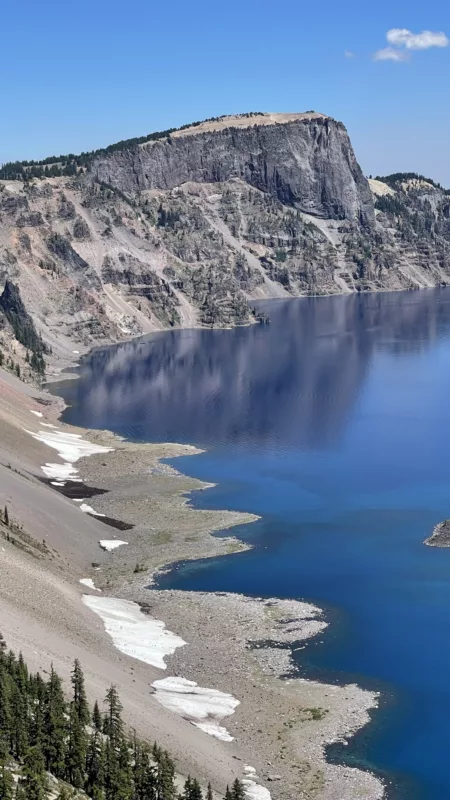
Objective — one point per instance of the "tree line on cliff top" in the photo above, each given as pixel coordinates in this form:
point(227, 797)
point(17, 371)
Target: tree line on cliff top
point(45, 737)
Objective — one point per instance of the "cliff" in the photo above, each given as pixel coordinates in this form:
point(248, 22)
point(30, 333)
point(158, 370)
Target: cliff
point(304, 160)
point(190, 227)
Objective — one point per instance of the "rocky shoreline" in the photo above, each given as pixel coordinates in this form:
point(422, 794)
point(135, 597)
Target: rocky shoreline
point(239, 646)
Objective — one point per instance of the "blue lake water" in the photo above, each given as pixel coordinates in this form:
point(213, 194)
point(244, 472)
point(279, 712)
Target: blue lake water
point(333, 424)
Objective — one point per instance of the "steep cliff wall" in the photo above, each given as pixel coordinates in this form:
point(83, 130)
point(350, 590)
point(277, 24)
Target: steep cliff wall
point(190, 229)
point(306, 162)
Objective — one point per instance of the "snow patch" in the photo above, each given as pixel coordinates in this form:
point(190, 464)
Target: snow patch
point(89, 510)
point(253, 791)
point(49, 425)
point(57, 483)
point(204, 708)
point(89, 583)
point(70, 447)
point(61, 472)
point(36, 413)
point(134, 633)
point(110, 544)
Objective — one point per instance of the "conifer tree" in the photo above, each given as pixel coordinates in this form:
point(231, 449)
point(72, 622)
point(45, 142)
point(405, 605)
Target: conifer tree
point(228, 795)
point(165, 789)
point(5, 713)
point(19, 732)
point(209, 793)
point(196, 792)
point(76, 749)
point(95, 766)
point(97, 718)
point(54, 726)
point(34, 779)
point(237, 792)
point(113, 725)
point(79, 694)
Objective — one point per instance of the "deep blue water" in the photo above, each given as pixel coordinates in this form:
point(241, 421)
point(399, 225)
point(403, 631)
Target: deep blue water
point(333, 424)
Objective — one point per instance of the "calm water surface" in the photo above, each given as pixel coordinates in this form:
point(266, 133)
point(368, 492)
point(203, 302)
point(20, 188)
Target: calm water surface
point(333, 424)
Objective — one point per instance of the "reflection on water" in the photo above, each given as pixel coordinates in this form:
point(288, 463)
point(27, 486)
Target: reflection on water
point(288, 384)
point(332, 424)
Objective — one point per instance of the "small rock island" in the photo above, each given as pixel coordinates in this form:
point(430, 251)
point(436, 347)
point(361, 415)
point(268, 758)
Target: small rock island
point(440, 536)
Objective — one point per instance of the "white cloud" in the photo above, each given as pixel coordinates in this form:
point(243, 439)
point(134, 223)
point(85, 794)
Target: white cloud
point(390, 54)
point(349, 54)
point(402, 37)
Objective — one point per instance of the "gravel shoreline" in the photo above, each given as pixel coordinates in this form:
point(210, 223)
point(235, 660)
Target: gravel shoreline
point(235, 644)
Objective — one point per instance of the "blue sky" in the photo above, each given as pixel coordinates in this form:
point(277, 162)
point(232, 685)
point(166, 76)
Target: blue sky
point(80, 75)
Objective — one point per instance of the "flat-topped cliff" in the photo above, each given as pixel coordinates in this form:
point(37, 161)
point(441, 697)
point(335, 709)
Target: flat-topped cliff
point(303, 160)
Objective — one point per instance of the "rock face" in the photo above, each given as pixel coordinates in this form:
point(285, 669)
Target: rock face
point(440, 536)
point(190, 229)
point(307, 162)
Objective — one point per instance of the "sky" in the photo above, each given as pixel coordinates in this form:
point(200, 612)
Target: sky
point(81, 75)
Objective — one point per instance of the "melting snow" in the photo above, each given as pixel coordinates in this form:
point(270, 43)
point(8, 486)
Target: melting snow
point(205, 708)
point(110, 544)
point(36, 413)
point(48, 425)
point(70, 447)
point(89, 583)
point(89, 510)
point(62, 472)
point(253, 791)
point(134, 633)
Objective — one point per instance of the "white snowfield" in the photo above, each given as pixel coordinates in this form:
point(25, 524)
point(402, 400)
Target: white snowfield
point(134, 633)
point(89, 510)
point(253, 790)
point(204, 708)
point(111, 544)
point(89, 583)
point(70, 447)
point(36, 413)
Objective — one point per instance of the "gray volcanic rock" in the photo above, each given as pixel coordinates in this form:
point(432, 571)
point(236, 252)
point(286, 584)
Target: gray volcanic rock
point(440, 536)
point(307, 162)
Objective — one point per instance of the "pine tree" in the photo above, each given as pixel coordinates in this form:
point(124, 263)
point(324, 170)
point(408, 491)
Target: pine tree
point(113, 725)
point(79, 694)
point(209, 793)
point(76, 749)
point(124, 788)
point(97, 718)
point(196, 792)
point(237, 792)
point(5, 713)
point(6, 517)
point(228, 795)
point(19, 732)
point(34, 779)
point(165, 789)
point(54, 726)
point(95, 775)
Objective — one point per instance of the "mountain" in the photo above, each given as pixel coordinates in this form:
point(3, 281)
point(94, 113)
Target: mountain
point(187, 227)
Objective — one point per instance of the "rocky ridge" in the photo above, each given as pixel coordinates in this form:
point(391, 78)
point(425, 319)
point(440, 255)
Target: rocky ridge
point(188, 228)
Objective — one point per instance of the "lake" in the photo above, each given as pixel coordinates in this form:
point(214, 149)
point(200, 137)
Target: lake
point(332, 423)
